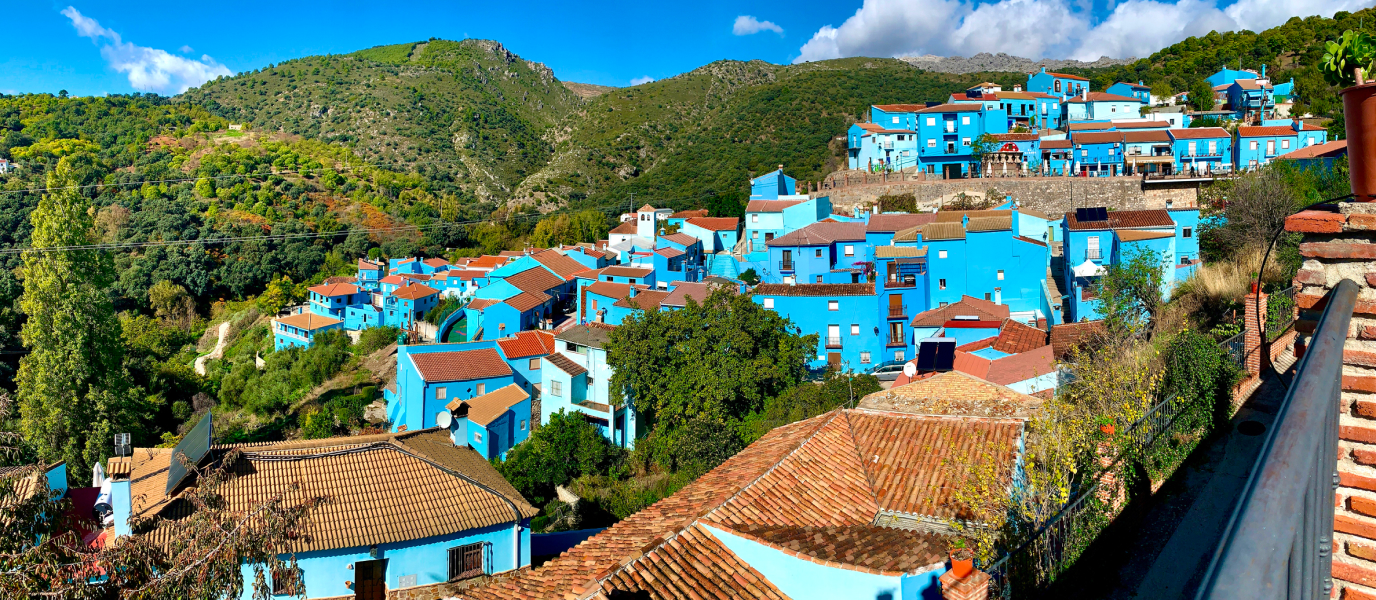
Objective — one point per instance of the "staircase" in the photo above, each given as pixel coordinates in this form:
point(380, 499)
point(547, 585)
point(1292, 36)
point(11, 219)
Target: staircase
point(722, 264)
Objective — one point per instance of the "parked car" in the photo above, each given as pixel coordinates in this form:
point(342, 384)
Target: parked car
point(888, 371)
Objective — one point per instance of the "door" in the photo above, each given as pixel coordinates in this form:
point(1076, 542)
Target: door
point(895, 306)
point(834, 360)
point(372, 580)
point(833, 336)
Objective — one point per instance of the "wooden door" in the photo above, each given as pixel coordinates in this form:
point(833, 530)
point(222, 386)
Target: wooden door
point(372, 580)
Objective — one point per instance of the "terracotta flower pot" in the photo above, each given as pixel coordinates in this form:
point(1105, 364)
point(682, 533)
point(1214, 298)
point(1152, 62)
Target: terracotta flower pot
point(1359, 109)
point(1107, 429)
point(961, 567)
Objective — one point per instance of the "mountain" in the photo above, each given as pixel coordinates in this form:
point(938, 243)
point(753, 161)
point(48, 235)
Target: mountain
point(469, 115)
point(985, 61)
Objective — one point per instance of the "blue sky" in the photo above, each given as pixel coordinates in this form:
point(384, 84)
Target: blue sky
point(104, 47)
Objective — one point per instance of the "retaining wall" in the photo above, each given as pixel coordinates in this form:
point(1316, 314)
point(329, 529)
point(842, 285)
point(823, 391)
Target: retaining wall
point(1051, 195)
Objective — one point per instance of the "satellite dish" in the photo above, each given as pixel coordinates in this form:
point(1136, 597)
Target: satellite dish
point(444, 419)
point(909, 369)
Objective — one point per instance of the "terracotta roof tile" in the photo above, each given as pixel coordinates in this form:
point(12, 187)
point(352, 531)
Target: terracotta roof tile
point(623, 271)
point(966, 306)
point(1125, 219)
point(308, 320)
point(958, 216)
point(715, 223)
point(462, 365)
point(340, 279)
point(942, 231)
point(1101, 97)
point(435, 262)
point(1066, 76)
point(900, 107)
point(670, 252)
point(1066, 337)
point(1016, 338)
point(647, 300)
point(945, 108)
point(979, 224)
point(688, 214)
point(815, 289)
point(1016, 137)
point(414, 291)
point(587, 334)
point(1143, 137)
point(1021, 367)
point(821, 233)
point(562, 265)
point(566, 364)
point(1030, 240)
point(770, 206)
point(535, 279)
point(698, 291)
point(525, 301)
point(366, 265)
point(897, 222)
point(527, 343)
point(1334, 148)
point(625, 228)
point(488, 262)
point(1198, 133)
point(681, 239)
point(899, 252)
point(1137, 235)
point(483, 409)
point(1098, 137)
point(1055, 144)
point(953, 393)
point(615, 291)
point(1280, 130)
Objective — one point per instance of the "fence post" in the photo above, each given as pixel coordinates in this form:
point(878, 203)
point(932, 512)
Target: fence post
point(1254, 346)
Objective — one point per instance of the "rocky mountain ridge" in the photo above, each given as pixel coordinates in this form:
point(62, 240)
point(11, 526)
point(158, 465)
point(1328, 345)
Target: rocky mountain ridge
point(1001, 62)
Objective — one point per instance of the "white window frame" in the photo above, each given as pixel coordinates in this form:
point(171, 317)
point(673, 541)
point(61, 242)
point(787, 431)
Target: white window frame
point(1285, 144)
point(931, 121)
point(864, 358)
point(769, 303)
point(931, 142)
point(1252, 145)
point(850, 250)
point(1000, 274)
point(941, 254)
point(833, 305)
point(556, 388)
point(895, 120)
point(965, 119)
point(441, 393)
point(855, 329)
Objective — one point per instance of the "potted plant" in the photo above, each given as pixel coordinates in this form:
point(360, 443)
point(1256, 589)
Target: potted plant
point(1346, 63)
point(1106, 425)
point(962, 558)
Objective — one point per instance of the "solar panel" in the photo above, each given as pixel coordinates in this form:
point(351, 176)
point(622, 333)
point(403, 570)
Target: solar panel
point(1100, 213)
point(1082, 214)
point(945, 354)
point(194, 447)
point(1097, 213)
point(926, 355)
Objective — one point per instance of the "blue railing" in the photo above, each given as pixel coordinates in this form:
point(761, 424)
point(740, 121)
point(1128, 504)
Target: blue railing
point(1279, 540)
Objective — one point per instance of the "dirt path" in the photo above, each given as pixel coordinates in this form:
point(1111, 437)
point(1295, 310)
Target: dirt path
point(217, 352)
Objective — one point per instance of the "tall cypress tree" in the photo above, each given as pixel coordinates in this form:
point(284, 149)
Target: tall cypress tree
point(73, 391)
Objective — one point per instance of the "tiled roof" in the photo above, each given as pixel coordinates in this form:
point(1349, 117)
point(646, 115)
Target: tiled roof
point(1198, 133)
point(463, 365)
point(435, 262)
point(715, 223)
point(308, 320)
point(1252, 84)
point(1016, 338)
point(898, 221)
point(1134, 86)
point(392, 280)
point(1102, 97)
point(813, 489)
point(562, 266)
point(1333, 148)
point(770, 206)
point(1065, 337)
point(911, 234)
point(334, 289)
point(592, 274)
point(1124, 219)
point(1066, 76)
point(535, 279)
point(945, 108)
point(481, 303)
point(646, 208)
point(1137, 235)
point(1021, 367)
point(1056, 144)
point(527, 343)
point(340, 279)
point(462, 274)
point(670, 252)
point(483, 409)
point(1161, 125)
point(900, 107)
point(688, 214)
point(566, 364)
point(525, 301)
point(615, 291)
point(899, 252)
point(1074, 127)
point(680, 238)
point(968, 306)
point(953, 393)
point(622, 271)
point(815, 289)
point(957, 216)
point(1030, 240)
point(382, 488)
point(682, 291)
point(1023, 210)
point(1282, 130)
point(821, 233)
point(971, 364)
point(628, 227)
point(365, 265)
point(1141, 137)
point(989, 224)
point(647, 300)
point(1016, 137)
point(942, 231)
point(414, 291)
point(488, 262)
point(587, 334)
point(1097, 137)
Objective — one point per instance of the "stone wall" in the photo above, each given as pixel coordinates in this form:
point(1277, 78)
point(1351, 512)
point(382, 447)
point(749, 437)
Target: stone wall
point(1051, 195)
point(1342, 245)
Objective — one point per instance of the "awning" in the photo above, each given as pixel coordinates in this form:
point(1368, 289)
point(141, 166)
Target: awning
point(1088, 269)
point(1147, 160)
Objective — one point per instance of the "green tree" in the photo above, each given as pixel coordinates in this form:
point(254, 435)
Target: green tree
point(171, 304)
point(558, 452)
point(1201, 95)
point(72, 388)
point(718, 360)
point(982, 146)
point(279, 294)
point(1130, 293)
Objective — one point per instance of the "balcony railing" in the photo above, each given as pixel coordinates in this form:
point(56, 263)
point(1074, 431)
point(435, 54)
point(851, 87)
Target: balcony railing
point(898, 311)
point(1093, 254)
point(898, 340)
point(786, 265)
point(1279, 540)
point(905, 281)
point(833, 342)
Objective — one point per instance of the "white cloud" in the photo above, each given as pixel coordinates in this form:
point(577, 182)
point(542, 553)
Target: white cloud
point(1045, 28)
point(748, 25)
point(149, 69)
point(185, 49)
point(640, 80)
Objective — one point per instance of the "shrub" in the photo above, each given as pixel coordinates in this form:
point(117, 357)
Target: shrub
point(375, 338)
point(558, 452)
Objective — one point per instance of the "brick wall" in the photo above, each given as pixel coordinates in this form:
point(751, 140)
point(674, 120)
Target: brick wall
point(1342, 245)
point(1052, 195)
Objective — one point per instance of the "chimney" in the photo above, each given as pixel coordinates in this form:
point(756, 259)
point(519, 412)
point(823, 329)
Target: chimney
point(1296, 125)
point(1084, 93)
point(633, 291)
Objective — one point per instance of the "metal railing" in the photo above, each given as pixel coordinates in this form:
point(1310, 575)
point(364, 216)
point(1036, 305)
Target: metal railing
point(898, 312)
point(904, 281)
point(897, 340)
point(1093, 254)
point(1236, 347)
point(1280, 313)
point(786, 266)
point(833, 342)
point(1279, 540)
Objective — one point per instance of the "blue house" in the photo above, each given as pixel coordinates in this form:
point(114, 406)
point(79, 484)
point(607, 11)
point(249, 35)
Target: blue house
point(577, 378)
point(851, 335)
point(1102, 106)
point(1098, 153)
point(946, 133)
point(494, 422)
point(768, 219)
point(901, 287)
point(1226, 76)
point(407, 304)
point(369, 273)
point(1147, 151)
point(1202, 150)
point(1251, 100)
point(1258, 146)
point(1317, 157)
point(1059, 85)
point(430, 376)
point(1131, 90)
point(1090, 247)
point(875, 148)
point(330, 300)
point(895, 116)
point(824, 252)
point(1187, 256)
point(451, 516)
point(596, 301)
point(300, 329)
point(1057, 157)
point(523, 352)
point(772, 185)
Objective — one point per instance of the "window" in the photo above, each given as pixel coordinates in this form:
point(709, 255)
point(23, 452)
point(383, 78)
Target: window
point(931, 121)
point(864, 358)
point(833, 305)
point(1058, 85)
point(789, 279)
point(1252, 145)
point(1213, 148)
point(965, 119)
point(1188, 232)
point(632, 280)
point(1000, 274)
point(895, 119)
point(818, 254)
point(523, 424)
point(965, 141)
point(854, 329)
point(1055, 105)
point(1284, 144)
point(769, 303)
point(898, 355)
point(478, 436)
point(941, 254)
point(931, 142)
point(482, 389)
point(534, 364)
point(441, 393)
point(850, 250)
point(609, 278)
point(818, 279)
point(286, 582)
point(1084, 152)
point(754, 218)
point(465, 561)
point(941, 284)
point(988, 296)
point(944, 304)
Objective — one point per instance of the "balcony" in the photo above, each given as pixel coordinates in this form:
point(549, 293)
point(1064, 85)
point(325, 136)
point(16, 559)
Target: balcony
point(898, 312)
point(896, 340)
point(786, 265)
point(1093, 254)
point(833, 343)
point(904, 281)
